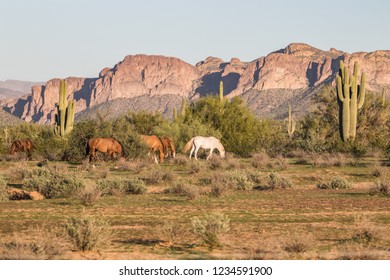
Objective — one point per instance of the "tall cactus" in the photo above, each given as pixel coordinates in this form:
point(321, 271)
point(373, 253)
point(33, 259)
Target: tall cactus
point(183, 107)
point(383, 103)
point(65, 113)
point(350, 97)
point(291, 123)
point(174, 113)
point(221, 91)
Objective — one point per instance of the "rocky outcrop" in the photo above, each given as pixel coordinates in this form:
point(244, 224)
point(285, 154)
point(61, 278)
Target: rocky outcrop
point(289, 73)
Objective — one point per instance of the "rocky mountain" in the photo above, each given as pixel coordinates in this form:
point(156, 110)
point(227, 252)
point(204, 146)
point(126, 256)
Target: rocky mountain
point(6, 119)
point(11, 89)
point(158, 83)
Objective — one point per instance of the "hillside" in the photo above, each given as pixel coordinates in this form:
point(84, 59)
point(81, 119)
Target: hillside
point(11, 89)
point(6, 119)
point(156, 83)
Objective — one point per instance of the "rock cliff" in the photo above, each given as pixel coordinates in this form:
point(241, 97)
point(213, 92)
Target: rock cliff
point(266, 83)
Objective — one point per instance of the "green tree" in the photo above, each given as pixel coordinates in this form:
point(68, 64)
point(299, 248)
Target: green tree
point(239, 127)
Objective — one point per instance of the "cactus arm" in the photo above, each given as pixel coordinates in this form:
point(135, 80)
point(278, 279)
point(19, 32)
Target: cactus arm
point(339, 88)
point(362, 90)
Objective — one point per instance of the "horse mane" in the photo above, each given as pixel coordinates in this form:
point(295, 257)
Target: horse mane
point(187, 146)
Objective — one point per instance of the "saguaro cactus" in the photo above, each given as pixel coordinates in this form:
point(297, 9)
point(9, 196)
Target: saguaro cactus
point(183, 107)
point(221, 91)
point(350, 97)
point(383, 103)
point(65, 113)
point(291, 123)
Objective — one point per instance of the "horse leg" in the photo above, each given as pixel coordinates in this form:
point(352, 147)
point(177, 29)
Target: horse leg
point(210, 154)
point(196, 152)
point(92, 155)
point(28, 154)
point(192, 150)
point(155, 156)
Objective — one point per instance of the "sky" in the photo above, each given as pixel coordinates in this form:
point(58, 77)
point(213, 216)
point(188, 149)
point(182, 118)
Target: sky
point(45, 39)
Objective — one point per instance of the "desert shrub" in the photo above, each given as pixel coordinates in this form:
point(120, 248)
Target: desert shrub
point(218, 189)
point(279, 162)
point(54, 184)
point(170, 232)
point(45, 244)
point(183, 188)
point(239, 180)
point(195, 166)
point(275, 181)
point(110, 186)
point(156, 175)
point(209, 227)
point(134, 186)
point(215, 163)
point(255, 177)
point(134, 165)
point(181, 160)
point(87, 233)
point(89, 195)
point(335, 183)
point(260, 159)
point(382, 187)
point(327, 159)
point(204, 181)
point(20, 172)
point(377, 170)
point(3, 190)
point(365, 231)
point(297, 243)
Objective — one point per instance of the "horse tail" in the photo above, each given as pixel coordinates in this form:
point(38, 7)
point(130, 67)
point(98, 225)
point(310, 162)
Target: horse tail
point(187, 146)
point(86, 149)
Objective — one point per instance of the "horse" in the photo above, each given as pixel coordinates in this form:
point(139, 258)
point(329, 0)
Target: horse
point(109, 146)
point(22, 145)
point(154, 143)
point(168, 145)
point(207, 143)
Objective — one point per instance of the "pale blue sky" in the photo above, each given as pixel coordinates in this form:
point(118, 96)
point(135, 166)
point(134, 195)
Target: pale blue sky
point(44, 39)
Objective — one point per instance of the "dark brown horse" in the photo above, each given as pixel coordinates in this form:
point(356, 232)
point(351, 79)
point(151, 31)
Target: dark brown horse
point(109, 146)
point(154, 144)
point(169, 147)
point(22, 145)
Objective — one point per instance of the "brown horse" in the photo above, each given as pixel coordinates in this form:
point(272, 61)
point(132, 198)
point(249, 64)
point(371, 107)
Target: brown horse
point(109, 146)
point(169, 147)
point(23, 145)
point(154, 144)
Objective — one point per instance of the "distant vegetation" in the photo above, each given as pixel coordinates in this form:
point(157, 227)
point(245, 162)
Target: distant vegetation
point(240, 131)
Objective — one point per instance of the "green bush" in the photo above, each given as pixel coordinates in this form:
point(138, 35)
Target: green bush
point(382, 187)
point(183, 188)
point(87, 233)
point(335, 183)
point(239, 180)
point(275, 181)
point(209, 227)
point(52, 184)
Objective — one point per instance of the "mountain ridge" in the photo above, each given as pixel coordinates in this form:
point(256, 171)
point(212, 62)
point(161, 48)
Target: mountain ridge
point(267, 82)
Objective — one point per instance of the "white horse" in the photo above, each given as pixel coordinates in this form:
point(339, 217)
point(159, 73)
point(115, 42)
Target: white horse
point(207, 143)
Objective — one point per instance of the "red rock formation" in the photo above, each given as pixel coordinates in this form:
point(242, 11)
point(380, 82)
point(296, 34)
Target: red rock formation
point(297, 67)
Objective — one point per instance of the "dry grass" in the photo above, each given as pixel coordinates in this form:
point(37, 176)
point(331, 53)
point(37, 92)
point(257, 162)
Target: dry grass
point(298, 222)
point(44, 244)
